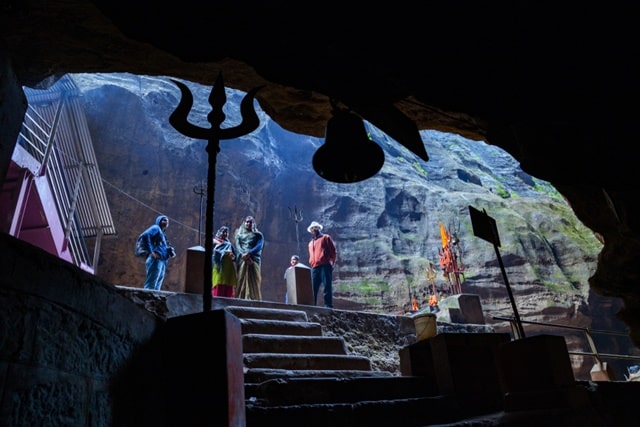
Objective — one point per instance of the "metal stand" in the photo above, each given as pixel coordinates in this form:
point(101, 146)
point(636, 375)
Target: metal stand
point(485, 228)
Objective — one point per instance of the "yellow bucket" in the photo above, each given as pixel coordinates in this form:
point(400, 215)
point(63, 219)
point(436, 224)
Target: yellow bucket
point(425, 325)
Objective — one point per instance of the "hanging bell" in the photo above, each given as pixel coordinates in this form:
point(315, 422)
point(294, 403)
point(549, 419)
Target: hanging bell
point(347, 155)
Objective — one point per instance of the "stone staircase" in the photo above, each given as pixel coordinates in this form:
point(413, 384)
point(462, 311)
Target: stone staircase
point(295, 376)
point(285, 343)
point(248, 363)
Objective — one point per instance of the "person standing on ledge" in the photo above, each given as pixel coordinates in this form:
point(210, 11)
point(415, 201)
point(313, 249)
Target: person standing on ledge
point(295, 259)
point(155, 243)
point(249, 243)
point(322, 257)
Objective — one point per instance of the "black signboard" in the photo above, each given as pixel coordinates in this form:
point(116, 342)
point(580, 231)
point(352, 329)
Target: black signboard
point(484, 226)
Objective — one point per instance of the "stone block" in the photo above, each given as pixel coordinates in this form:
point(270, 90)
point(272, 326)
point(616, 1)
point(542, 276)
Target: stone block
point(299, 289)
point(194, 270)
point(458, 364)
point(451, 315)
point(461, 308)
point(535, 363)
point(203, 370)
point(536, 374)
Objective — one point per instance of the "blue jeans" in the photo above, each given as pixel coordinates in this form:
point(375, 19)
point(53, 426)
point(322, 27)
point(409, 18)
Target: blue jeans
point(155, 273)
point(323, 275)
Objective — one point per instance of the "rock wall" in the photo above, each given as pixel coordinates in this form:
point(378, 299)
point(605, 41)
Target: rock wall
point(64, 335)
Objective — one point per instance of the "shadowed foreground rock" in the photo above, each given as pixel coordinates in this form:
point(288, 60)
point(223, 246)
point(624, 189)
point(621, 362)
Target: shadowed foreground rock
point(97, 354)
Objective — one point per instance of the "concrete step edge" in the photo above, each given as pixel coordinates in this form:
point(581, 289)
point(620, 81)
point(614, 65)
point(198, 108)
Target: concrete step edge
point(407, 412)
point(258, 375)
point(280, 327)
point(293, 391)
point(306, 361)
point(268, 313)
point(263, 343)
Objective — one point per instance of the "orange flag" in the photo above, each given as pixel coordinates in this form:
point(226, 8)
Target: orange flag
point(444, 235)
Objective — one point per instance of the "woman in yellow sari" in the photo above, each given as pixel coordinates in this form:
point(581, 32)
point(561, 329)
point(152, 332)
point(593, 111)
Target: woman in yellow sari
point(249, 242)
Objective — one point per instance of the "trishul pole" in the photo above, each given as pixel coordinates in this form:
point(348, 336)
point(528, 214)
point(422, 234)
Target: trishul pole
point(178, 120)
point(200, 191)
point(431, 276)
point(297, 217)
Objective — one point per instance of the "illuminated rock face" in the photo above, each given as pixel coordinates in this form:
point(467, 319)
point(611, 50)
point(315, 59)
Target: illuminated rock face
point(502, 76)
point(386, 228)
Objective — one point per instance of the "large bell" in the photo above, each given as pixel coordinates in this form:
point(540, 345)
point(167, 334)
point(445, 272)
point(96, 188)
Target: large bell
point(347, 155)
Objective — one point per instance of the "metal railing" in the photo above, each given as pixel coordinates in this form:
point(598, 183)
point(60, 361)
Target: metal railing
point(55, 134)
point(588, 334)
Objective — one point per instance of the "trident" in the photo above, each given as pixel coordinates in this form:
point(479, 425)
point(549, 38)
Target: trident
point(297, 217)
point(178, 120)
point(200, 191)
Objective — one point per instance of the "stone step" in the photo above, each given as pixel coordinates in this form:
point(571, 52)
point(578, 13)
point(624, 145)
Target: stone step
point(413, 412)
point(263, 343)
point(306, 361)
point(255, 376)
point(320, 390)
point(280, 327)
point(284, 341)
point(268, 313)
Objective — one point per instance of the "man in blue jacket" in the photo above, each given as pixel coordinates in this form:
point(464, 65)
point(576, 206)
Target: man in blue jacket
point(155, 241)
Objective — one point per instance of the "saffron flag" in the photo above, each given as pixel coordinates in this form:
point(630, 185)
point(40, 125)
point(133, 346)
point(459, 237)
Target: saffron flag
point(444, 235)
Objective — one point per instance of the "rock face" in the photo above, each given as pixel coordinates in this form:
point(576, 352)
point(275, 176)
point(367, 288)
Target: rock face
point(386, 228)
point(549, 88)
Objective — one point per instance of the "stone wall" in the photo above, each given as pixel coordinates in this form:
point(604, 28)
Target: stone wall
point(63, 335)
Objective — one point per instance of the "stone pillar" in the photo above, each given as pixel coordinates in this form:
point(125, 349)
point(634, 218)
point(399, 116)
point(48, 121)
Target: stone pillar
point(535, 373)
point(461, 308)
point(203, 370)
point(464, 365)
point(299, 289)
point(194, 270)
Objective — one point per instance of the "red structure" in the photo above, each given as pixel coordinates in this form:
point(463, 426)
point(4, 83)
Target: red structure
point(451, 261)
point(53, 195)
point(431, 277)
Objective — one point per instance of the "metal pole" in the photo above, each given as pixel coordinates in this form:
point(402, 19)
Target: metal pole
point(178, 120)
point(297, 217)
point(200, 191)
point(513, 302)
point(213, 147)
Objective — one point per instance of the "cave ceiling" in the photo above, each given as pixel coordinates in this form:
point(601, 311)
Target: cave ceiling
point(551, 87)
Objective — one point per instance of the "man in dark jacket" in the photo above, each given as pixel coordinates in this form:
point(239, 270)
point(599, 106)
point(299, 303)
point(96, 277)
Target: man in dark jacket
point(322, 257)
point(159, 251)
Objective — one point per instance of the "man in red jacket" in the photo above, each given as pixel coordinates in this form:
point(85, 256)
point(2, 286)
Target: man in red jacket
point(322, 257)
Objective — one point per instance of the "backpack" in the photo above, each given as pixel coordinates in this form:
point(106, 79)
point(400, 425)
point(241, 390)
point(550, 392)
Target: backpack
point(140, 250)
